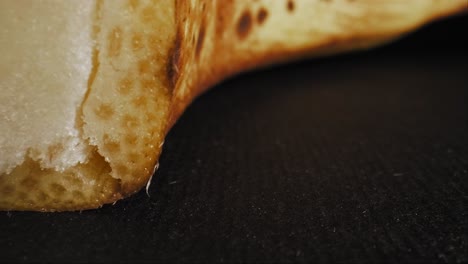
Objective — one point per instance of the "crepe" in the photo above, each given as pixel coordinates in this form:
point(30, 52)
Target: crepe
point(91, 88)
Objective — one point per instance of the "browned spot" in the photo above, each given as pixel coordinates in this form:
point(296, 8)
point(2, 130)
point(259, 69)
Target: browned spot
point(144, 66)
point(112, 147)
point(133, 157)
point(115, 42)
point(41, 196)
point(125, 85)
point(7, 190)
point(262, 15)
point(106, 137)
point(172, 68)
point(150, 116)
point(121, 169)
point(291, 5)
point(147, 14)
point(154, 40)
point(22, 195)
point(133, 4)
point(29, 183)
point(77, 195)
point(200, 40)
point(140, 101)
point(104, 111)
point(147, 85)
point(57, 189)
point(129, 121)
point(137, 41)
point(157, 57)
point(244, 25)
point(131, 139)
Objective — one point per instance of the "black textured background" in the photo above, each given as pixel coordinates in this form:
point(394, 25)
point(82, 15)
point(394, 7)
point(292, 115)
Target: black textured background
point(356, 158)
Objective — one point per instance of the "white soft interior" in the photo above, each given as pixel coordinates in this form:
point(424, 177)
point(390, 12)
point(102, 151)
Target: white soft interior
point(43, 80)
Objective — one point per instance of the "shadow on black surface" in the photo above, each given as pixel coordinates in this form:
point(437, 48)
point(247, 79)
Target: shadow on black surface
point(360, 157)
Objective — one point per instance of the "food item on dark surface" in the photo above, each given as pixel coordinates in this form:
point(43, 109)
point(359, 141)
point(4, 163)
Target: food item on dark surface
point(91, 88)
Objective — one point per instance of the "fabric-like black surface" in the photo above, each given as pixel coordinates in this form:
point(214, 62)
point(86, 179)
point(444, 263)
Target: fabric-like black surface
point(356, 158)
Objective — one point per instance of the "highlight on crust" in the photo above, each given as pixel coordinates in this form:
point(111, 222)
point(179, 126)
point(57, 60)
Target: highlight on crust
point(90, 88)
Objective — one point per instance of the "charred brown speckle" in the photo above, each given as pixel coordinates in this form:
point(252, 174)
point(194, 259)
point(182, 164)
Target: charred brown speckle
point(244, 25)
point(291, 5)
point(174, 62)
point(262, 15)
point(104, 111)
point(200, 40)
point(133, 4)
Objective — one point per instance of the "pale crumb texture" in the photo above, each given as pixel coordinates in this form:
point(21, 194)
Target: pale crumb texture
point(43, 80)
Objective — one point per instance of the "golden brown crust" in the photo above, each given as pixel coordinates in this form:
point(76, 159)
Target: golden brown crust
point(126, 108)
point(242, 35)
